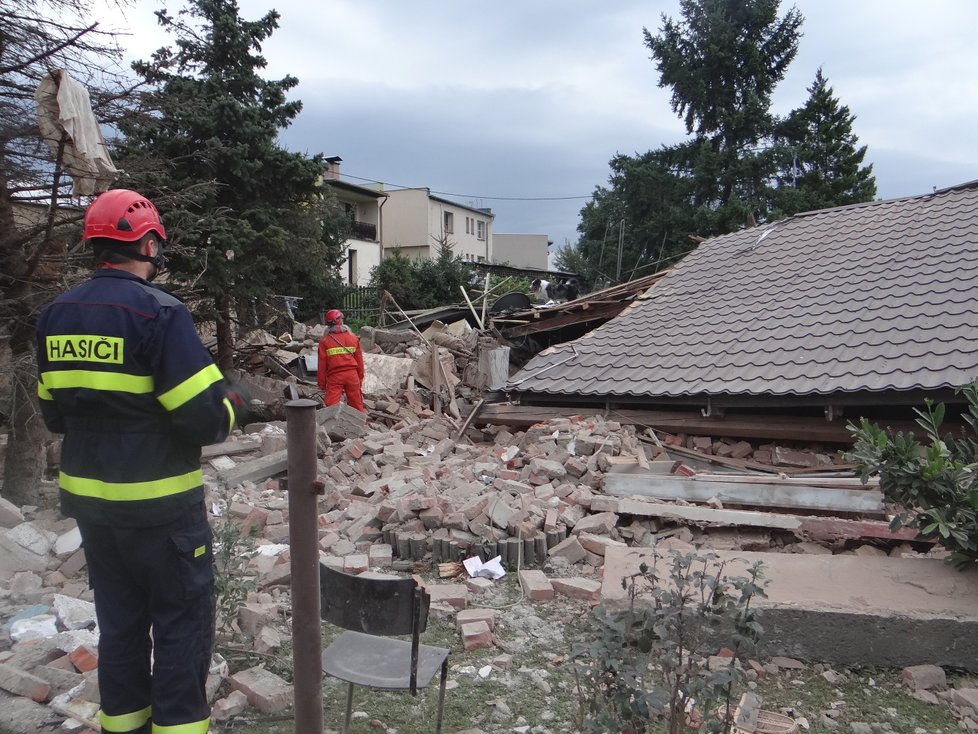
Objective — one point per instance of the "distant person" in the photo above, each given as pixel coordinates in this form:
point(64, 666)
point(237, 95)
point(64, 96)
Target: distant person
point(340, 369)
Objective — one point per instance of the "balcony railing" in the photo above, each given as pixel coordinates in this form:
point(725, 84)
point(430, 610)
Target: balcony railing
point(364, 231)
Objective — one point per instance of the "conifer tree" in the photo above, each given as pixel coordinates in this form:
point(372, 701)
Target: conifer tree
point(723, 60)
point(246, 218)
point(822, 164)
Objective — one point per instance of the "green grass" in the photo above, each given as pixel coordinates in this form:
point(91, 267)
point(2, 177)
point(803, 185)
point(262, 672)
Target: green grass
point(872, 696)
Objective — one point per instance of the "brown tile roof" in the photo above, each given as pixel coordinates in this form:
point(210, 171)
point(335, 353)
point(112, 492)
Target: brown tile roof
point(872, 297)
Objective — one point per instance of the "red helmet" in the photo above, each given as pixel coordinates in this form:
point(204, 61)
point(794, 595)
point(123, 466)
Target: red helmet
point(334, 316)
point(122, 214)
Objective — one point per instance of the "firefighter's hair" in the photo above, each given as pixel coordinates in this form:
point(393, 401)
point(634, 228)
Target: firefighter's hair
point(117, 252)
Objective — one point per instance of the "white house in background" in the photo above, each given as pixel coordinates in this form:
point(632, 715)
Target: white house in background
point(365, 207)
point(415, 222)
point(521, 250)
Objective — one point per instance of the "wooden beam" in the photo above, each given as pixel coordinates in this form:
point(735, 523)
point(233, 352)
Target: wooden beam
point(559, 320)
point(816, 528)
point(747, 426)
point(796, 497)
point(746, 464)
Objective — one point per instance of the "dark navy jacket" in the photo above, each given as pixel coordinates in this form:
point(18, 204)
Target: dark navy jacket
point(124, 375)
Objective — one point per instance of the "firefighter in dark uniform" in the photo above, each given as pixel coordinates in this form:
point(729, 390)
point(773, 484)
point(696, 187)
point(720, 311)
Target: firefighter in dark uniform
point(124, 376)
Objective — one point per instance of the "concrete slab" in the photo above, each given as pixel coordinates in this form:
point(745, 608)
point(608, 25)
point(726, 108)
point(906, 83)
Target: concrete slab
point(848, 609)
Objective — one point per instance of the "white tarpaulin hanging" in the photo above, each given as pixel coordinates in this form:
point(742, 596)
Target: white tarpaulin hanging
point(64, 109)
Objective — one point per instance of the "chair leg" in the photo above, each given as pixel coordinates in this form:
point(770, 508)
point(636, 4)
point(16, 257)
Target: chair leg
point(349, 707)
point(441, 695)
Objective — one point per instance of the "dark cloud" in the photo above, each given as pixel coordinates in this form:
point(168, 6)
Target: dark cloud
point(531, 99)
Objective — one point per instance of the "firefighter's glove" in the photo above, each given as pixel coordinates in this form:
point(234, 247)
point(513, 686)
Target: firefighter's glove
point(240, 400)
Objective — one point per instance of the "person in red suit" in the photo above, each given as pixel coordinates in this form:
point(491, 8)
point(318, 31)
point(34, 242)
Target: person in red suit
point(340, 367)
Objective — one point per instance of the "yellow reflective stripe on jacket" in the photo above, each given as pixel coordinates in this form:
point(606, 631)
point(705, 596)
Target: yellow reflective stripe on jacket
point(126, 491)
point(230, 409)
point(43, 393)
point(191, 387)
point(117, 381)
point(124, 722)
point(194, 727)
point(333, 351)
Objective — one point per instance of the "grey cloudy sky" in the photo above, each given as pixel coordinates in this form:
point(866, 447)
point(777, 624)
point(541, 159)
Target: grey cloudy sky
point(518, 105)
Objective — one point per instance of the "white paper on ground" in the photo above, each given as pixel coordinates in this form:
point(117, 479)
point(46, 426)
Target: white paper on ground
point(492, 569)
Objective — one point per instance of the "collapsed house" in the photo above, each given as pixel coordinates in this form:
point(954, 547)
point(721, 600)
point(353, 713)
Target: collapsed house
point(785, 330)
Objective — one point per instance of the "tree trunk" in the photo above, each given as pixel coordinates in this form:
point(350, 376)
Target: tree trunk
point(21, 298)
point(24, 462)
point(25, 457)
point(225, 339)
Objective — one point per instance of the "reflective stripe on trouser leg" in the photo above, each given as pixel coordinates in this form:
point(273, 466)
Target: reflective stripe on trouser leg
point(182, 609)
point(122, 609)
point(168, 569)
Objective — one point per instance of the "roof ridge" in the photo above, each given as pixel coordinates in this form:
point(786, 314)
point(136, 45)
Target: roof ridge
point(936, 192)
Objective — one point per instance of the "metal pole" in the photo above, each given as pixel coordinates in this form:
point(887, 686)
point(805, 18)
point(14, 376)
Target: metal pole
point(303, 541)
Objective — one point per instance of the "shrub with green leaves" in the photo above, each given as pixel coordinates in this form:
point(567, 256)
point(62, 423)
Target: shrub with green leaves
point(933, 483)
point(232, 551)
point(647, 663)
point(424, 282)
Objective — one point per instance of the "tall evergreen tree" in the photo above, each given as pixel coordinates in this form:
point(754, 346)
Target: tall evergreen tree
point(640, 224)
point(723, 61)
point(821, 163)
point(244, 215)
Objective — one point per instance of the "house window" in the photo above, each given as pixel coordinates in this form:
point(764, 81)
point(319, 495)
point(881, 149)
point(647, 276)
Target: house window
point(481, 231)
point(449, 223)
point(481, 259)
point(468, 225)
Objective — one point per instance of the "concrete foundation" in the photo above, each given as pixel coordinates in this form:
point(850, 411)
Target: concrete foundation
point(849, 609)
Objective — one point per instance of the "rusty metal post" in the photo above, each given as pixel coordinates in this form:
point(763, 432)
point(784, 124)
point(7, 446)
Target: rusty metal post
point(304, 548)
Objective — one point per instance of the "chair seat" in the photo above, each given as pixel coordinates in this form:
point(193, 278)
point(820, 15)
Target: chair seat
point(380, 662)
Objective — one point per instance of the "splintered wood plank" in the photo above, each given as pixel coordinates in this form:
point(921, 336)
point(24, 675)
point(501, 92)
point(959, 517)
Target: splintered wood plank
point(785, 428)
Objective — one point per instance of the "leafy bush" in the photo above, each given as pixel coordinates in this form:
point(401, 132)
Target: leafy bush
point(423, 283)
point(395, 274)
point(647, 663)
point(933, 483)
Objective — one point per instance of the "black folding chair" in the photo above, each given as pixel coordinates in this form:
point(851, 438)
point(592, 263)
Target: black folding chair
point(372, 611)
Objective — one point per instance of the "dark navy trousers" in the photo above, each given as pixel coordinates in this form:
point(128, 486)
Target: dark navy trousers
point(154, 599)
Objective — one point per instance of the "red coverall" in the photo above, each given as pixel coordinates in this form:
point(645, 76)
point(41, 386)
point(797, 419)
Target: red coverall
point(341, 367)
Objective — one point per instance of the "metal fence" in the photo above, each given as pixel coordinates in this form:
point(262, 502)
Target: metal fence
point(361, 303)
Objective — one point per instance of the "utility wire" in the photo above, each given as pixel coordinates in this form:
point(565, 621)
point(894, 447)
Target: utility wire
point(472, 196)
